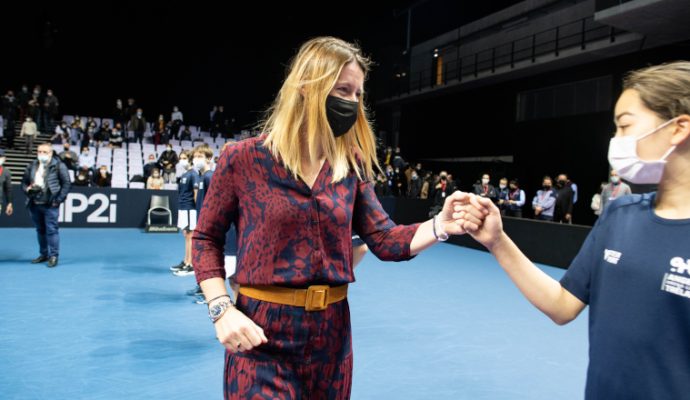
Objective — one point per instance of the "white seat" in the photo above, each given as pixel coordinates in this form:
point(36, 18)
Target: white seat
point(137, 185)
point(170, 186)
point(118, 184)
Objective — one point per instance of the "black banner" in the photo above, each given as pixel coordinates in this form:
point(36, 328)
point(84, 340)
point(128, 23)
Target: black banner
point(87, 207)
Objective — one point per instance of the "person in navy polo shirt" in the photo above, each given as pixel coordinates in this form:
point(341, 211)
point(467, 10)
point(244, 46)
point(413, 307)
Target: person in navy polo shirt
point(634, 268)
point(186, 215)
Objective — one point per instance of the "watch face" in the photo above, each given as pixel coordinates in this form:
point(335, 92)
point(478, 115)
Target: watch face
point(215, 310)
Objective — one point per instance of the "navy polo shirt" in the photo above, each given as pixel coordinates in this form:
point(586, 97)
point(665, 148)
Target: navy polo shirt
point(185, 189)
point(634, 273)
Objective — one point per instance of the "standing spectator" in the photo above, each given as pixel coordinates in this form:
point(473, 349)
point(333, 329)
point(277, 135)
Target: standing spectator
point(23, 98)
point(159, 129)
point(388, 156)
point(5, 187)
point(398, 160)
point(503, 194)
point(10, 108)
point(564, 201)
point(442, 190)
point(399, 183)
point(186, 210)
point(415, 185)
point(29, 130)
point(116, 138)
point(137, 124)
point(119, 114)
point(218, 122)
point(545, 201)
point(103, 178)
point(426, 184)
point(50, 109)
point(211, 118)
point(573, 186)
point(201, 157)
point(452, 183)
point(381, 186)
point(168, 161)
point(484, 188)
point(130, 109)
point(46, 183)
point(516, 200)
point(613, 190)
point(155, 181)
point(176, 118)
point(69, 157)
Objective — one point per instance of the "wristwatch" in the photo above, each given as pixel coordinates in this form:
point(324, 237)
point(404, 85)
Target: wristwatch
point(217, 310)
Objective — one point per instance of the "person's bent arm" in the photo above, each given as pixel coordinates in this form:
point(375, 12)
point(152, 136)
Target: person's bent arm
point(541, 290)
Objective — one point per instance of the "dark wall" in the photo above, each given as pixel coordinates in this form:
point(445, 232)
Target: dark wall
point(482, 122)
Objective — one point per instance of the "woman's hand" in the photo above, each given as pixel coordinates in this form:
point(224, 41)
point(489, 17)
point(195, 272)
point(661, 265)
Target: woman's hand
point(490, 231)
point(469, 207)
point(237, 332)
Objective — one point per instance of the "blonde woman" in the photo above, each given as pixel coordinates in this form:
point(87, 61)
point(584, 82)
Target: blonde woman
point(633, 271)
point(296, 194)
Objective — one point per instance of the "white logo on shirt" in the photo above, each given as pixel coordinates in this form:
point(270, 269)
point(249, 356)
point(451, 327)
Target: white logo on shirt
point(680, 266)
point(612, 256)
point(183, 181)
point(675, 282)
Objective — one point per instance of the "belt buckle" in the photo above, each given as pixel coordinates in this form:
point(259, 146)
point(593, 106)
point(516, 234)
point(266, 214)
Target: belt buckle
point(317, 298)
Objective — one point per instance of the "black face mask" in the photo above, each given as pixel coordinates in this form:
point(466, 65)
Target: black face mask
point(341, 114)
point(547, 187)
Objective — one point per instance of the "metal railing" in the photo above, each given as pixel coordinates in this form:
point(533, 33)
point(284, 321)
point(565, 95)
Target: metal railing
point(575, 34)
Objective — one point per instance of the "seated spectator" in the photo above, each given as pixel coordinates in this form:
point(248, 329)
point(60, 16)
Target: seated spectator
point(76, 132)
point(103, 177)
point(69, 157)
point(484, 188)
point(61, 134)
point(150, 165)
point(544, 203)
point(426, 184)
point(116, 137)
point(168, 162)
point(82, 178)
point(86, 160)
point(186, 134)
point(155, 181)
point(103, 134)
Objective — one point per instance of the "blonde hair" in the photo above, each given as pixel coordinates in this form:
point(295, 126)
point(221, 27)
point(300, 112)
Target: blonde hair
point(203, 149)
point(664, 88)
point(300, 109)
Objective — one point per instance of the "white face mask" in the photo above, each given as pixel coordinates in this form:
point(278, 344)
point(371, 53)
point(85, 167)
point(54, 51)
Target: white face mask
point(485, 181)
point(199, 163)
point(502, 186)
point(43, 158)
point(624, 159)
point(2, 161)
point(184, 164)
point(615, 179)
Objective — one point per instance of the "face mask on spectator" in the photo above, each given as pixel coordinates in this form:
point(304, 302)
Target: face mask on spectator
point(546, 186)
point(156, 174)
point(43, 158)
point(485, 181)
point(615, 179)
point(139, 114)
point(199, 163)
point(2, 161)
point(501, 185)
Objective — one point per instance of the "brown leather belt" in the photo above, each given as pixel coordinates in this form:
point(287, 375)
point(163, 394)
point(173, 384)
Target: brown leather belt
point(314, 298)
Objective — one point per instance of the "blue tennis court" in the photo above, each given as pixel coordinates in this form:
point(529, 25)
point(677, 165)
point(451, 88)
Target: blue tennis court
point(112, 322)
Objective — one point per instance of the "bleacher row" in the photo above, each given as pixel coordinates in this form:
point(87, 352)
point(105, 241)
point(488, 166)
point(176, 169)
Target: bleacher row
point(128, 161)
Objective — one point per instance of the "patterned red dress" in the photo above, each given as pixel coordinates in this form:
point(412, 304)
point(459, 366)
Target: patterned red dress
point(294, 236)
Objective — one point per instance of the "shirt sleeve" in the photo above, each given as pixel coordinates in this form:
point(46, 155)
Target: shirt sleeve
point(578, 278)
point(388, 241)
point(217, 214)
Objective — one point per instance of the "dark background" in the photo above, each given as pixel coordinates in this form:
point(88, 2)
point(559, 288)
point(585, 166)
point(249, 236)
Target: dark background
point(196, 54)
